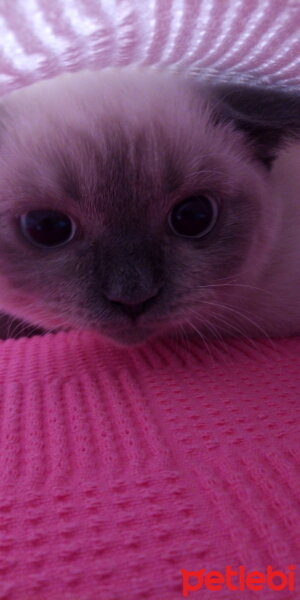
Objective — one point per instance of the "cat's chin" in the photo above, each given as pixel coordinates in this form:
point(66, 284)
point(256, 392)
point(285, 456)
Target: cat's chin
point(129, 337)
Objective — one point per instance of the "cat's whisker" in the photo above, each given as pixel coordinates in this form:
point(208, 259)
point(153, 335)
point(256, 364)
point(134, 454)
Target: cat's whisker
point(8, 334)
point(183, 335)
point(202, 337)
point(236, 332)
point(236, 312)
point(209, 324)
point(51, 330)
point(230, 285)
point(241, 314)
point(15, 328)
point(233, 330)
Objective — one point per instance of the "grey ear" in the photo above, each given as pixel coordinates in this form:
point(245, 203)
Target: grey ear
point(270, 118)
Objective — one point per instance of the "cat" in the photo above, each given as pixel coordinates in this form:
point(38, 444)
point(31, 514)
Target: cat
point(138, 202)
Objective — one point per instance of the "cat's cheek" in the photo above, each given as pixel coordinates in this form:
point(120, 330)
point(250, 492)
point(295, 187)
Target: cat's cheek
point(11, 299)
point(23, 306)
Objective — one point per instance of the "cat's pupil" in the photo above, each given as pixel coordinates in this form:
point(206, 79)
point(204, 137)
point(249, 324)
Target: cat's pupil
point(47, 228)
point(194, 217)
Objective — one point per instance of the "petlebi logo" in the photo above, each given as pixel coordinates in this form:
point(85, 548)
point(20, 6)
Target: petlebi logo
point(238, 580)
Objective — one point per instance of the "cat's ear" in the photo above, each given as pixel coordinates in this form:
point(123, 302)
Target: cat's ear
point(270, 118)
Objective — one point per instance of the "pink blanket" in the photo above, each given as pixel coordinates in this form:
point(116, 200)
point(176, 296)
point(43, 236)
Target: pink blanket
point(120, 469)
point(161, 472)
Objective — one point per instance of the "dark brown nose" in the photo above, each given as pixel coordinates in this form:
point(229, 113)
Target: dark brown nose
point(133, 309)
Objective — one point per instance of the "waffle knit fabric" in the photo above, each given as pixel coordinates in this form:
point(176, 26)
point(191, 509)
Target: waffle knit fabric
point(119, 468)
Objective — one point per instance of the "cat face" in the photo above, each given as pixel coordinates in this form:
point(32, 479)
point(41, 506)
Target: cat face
point(126, 209)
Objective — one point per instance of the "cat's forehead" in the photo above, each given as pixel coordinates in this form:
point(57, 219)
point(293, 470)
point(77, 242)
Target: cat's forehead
point(114, 168)
point(106, 167)
point(139, 170)
point(117, 162)
point(116, 176)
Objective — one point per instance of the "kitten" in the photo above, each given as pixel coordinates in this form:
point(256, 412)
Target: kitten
point(135, 202)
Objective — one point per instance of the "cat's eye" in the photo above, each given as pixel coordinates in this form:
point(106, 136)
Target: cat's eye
point(194, 217)
point(47, 228)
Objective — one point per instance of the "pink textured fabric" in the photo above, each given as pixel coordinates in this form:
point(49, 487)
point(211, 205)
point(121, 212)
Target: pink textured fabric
point(120, 468)
point(245, 39)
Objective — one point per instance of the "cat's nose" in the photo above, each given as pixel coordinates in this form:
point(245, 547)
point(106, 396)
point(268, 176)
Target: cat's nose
point(133, 309)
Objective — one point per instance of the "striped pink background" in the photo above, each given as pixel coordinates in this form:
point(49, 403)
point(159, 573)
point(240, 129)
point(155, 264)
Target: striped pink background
point(250, 39)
